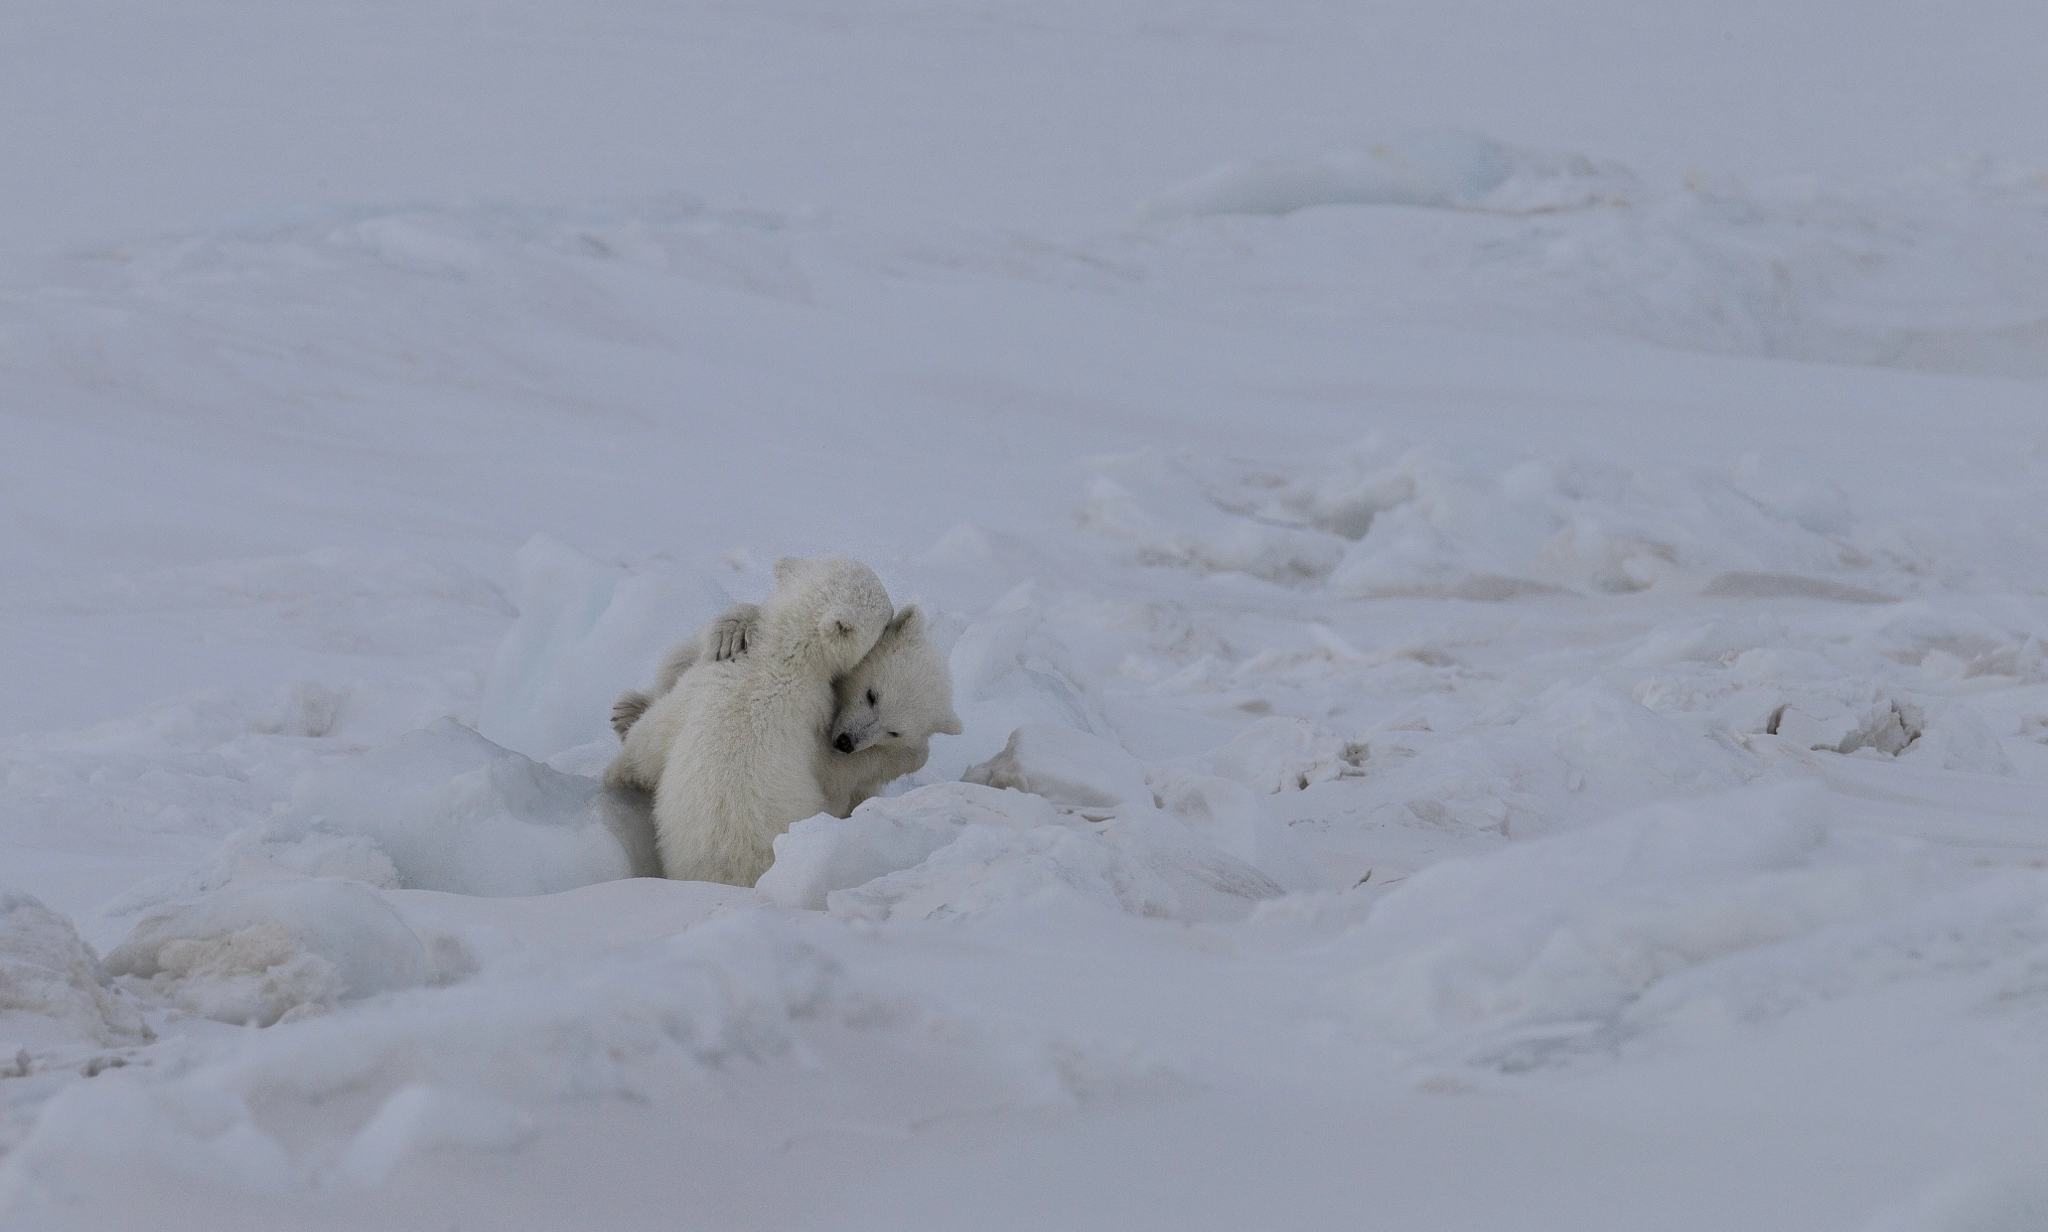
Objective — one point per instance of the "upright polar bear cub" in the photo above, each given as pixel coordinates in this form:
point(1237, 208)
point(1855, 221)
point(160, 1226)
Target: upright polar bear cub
point(886, 710)
point(730, 751)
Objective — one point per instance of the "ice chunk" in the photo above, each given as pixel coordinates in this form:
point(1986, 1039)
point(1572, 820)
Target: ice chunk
point(420, 1118)
point(826, 853)
point(256, 953)
point(51, 985)
point(1828, 722)
point(586, 631)
point(1070, 768)
point(457, 812)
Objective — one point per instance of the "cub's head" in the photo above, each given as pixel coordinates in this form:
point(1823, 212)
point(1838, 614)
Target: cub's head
point(902, 692)
point(844, 598)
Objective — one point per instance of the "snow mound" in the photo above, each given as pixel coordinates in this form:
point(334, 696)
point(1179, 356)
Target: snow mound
point(1232, 818)
point(1720, 910)
point(455, 812)
point(1274, 755)
point(2009, 1196)
point(1958, 738)
point(586, 631)
point(419, 1118)
point(1943, 269)
point(822, 854)
point(266, 952)
point(348, 1098)
point(1579, 752)
point(51, 986)
point(1175, 515)
point(1009, 669)
point(1390, 520)
point(1070, 768)
point(1141, 866)
point(1444, 170)
point(964, 850)
point(256, 854)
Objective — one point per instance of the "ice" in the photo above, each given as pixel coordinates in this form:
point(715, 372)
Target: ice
point(51, 985)
point(585, 632)
point(453, 811)
point(270, 951)
point(1876, 723)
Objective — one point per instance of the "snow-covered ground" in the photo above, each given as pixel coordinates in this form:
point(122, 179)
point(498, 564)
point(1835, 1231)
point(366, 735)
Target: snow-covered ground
point(1512, 545)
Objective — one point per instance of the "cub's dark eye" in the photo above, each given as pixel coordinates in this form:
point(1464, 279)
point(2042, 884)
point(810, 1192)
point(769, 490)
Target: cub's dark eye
point(872, 699)
point(893, 735)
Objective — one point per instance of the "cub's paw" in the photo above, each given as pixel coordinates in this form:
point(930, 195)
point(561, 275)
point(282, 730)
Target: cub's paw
point(627, 710)
point(733, 631)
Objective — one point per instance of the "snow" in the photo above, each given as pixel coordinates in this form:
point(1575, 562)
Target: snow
point(421, 1118)
point(585, 633)
point(255, 954)
point(48, 973)
point(1446, 170)
point(1494, 565)
point(455, 812)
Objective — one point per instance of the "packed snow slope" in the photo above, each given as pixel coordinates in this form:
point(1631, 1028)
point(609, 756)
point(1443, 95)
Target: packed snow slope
point(1494, 565)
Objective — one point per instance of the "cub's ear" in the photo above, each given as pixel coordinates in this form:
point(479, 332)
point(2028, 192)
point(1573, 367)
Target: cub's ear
point(949, 725)
point(908, 623)
point(784, 566)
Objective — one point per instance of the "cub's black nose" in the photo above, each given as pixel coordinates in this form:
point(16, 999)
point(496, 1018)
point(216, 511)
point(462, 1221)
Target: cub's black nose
point(844, 744)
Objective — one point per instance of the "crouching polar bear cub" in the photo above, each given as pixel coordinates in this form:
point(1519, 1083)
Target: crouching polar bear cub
point(729, 751)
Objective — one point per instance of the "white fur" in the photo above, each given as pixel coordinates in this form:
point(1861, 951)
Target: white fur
point(892, 735)
point(888, 738)
point(724, 638)
point(730, 750)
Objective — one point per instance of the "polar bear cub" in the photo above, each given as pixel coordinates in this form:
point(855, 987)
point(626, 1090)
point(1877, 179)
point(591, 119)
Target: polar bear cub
point(887, 708)
point(729, 751)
